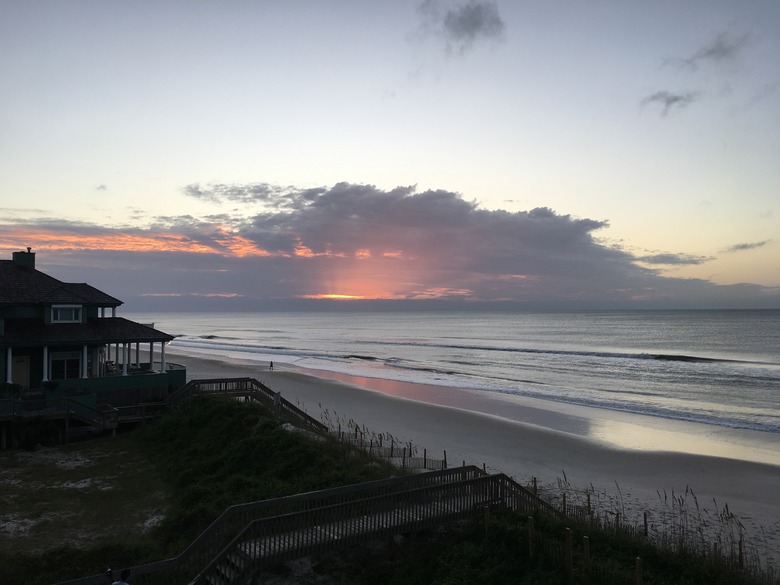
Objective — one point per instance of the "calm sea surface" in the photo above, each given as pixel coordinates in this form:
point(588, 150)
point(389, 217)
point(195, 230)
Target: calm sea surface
point(715, 367)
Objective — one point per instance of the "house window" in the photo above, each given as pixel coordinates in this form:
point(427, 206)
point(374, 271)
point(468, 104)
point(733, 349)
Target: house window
point(66, 314)
point(65, 365)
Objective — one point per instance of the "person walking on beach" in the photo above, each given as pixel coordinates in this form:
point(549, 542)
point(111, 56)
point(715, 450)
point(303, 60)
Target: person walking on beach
point(271, 366)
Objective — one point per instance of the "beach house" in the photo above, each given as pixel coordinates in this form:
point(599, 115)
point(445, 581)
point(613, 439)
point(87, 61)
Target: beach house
point(66, 356)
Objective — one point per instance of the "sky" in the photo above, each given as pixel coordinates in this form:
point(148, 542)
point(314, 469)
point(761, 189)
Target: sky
point(246, 154)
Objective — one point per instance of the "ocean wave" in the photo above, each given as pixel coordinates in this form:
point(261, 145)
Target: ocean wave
point(404, 370)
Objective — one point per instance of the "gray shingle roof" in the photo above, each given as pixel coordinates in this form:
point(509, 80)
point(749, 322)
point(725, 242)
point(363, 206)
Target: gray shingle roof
point(26, 332)
point(24, 285)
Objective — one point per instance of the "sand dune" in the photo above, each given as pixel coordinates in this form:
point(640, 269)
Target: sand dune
point(551, 442)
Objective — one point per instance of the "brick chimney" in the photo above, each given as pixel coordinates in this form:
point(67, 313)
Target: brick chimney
point(25, 258)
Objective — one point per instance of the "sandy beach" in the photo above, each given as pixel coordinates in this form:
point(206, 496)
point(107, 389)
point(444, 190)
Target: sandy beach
point(566, 449)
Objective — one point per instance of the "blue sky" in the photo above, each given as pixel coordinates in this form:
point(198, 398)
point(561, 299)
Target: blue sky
point(146, 136)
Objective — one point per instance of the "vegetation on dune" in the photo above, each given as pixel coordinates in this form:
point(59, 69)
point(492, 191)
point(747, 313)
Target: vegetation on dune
point(213, 452)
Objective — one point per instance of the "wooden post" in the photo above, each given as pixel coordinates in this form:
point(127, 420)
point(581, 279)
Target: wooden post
point(484, 469)
point(531, 537)
point(425, 458)
point(445, 460)
point(567, 558)
point(638, 572)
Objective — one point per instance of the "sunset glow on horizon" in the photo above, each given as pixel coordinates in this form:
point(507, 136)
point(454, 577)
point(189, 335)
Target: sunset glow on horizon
point(563, 154)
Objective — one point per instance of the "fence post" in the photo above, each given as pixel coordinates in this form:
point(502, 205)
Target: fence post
point(425, 458)
point(531, 537)
point(638, 572)
point(567, 558)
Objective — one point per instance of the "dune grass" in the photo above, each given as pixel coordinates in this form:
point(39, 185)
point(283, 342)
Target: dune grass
point(74, 510)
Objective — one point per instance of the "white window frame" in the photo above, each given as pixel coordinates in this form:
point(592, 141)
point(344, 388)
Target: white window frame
point(76, 313)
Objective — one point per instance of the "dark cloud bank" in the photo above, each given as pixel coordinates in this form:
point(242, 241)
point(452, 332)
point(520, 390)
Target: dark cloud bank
point(431, 249)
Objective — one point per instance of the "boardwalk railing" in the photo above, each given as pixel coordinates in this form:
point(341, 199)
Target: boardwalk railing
point(268, 541)
point(250, 389)
point(427, 494)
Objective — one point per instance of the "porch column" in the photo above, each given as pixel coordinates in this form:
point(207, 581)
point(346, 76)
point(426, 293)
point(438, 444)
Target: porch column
point(113, 311)
point(138, 354)
point(162, 357)
point(9, 375)
point(84, 371)
point(125, 356)
point(151, 356)
point(45, 364)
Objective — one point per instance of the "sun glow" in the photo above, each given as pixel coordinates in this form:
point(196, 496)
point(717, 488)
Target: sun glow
point(335, 297)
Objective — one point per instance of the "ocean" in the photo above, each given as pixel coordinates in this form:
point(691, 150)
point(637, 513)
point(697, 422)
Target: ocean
point(719, 368)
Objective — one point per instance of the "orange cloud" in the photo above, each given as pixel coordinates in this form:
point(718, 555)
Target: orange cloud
point(16, 237)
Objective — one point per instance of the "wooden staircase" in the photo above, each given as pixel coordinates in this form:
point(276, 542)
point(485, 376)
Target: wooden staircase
point(249, 538)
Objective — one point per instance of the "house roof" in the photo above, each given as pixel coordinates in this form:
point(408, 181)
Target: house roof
point(26, 332)
point(24, 285)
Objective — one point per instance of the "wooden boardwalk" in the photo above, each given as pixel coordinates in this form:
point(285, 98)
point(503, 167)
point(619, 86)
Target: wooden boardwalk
point(273, 540)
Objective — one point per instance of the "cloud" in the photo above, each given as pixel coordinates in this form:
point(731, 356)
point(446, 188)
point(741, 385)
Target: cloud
point(674, 259)
point(746, 246)
point(669, 100)
point(357, 241)
point(724, 47)
point(101, 188)
point(464, 25)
